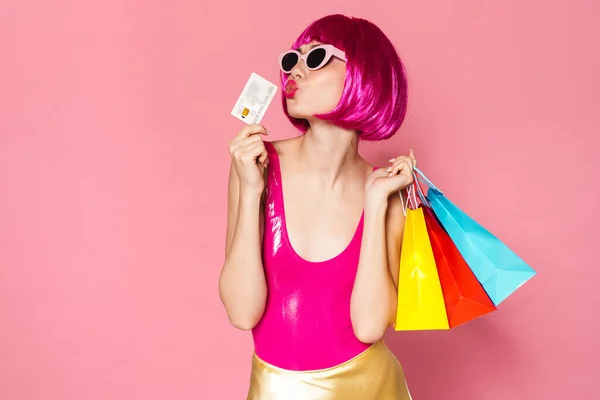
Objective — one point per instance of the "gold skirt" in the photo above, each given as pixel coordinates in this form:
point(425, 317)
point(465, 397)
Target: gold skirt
point(374, 374)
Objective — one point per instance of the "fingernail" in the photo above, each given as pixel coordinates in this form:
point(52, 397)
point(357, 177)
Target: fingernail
point(389, 169)
point(268, 133)
point(392, 160)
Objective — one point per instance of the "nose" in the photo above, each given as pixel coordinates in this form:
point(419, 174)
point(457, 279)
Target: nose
point(299, 70)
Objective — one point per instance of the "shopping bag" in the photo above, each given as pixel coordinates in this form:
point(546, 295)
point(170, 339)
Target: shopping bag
point(420, 300)
point(499, 270)
point(464, 297)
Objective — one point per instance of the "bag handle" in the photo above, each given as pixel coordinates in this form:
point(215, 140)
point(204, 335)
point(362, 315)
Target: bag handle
point(415, 189)
point(417, 184)
point(404, 206)
point(429, 183)
point(409, 200)
point(414, 197)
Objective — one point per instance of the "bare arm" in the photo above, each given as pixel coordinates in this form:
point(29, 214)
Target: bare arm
point(242, 285)
point(374, 297)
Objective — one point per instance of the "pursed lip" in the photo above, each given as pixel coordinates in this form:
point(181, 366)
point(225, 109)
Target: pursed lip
point(290, 88)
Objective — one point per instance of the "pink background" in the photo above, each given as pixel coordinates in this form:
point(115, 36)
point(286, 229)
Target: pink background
point(114, 122)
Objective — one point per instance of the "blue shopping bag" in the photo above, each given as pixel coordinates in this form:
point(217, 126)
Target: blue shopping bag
point(499, 270)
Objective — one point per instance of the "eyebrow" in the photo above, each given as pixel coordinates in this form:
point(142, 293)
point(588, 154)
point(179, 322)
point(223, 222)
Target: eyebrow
point(310, 46)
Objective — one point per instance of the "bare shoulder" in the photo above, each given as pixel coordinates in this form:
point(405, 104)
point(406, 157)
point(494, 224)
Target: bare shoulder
point(395, 205)
point(395, 216)
point(284, 146)
point(394, 228)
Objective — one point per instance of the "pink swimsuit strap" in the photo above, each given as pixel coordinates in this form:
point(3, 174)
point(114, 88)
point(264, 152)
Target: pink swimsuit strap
point(306, 323)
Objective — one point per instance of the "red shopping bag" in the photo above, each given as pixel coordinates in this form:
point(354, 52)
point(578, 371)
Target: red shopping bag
point(464, 296)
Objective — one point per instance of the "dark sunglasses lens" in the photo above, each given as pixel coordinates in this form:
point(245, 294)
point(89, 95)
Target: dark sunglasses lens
point(289, 61)
point(316, 57)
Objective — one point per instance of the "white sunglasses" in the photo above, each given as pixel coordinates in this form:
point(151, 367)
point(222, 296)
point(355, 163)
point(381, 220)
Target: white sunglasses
point(315, 58)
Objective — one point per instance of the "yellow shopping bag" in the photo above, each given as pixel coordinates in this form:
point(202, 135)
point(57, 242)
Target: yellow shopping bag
point(420, 300)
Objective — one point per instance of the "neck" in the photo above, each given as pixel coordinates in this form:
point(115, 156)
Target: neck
point(330, 150)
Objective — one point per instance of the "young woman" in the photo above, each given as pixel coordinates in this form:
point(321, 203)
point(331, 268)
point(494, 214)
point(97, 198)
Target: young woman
point(314, 231)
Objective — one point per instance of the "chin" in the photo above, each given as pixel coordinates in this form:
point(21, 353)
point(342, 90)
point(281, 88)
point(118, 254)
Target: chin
point(296, 112)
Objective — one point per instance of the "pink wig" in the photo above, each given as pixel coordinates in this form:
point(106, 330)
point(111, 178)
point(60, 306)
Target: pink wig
point(374, 98)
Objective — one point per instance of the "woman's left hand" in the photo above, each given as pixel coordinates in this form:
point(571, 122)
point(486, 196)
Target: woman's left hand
point(382, 182)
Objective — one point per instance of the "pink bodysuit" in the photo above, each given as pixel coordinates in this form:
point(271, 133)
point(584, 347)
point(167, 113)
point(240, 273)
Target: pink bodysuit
point(306, 323)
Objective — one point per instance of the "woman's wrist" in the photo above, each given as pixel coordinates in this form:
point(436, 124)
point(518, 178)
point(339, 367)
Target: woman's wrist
point(375, 203)
point(250, 193)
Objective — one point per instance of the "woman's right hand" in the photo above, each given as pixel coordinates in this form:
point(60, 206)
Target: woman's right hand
point(250, 157)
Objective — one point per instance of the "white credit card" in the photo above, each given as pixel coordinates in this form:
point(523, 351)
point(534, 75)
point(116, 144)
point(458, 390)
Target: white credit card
point(254, 100)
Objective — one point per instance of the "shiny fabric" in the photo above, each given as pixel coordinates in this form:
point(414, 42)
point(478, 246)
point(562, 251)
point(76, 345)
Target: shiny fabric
point(374, 374)
point(306, 323)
